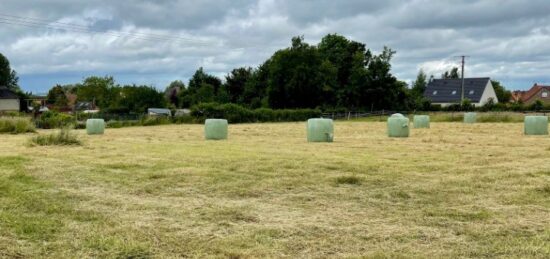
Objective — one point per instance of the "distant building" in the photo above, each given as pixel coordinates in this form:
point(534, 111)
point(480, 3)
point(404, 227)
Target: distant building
point(159, 112)
point(537, 92)
point(9, 100)
point(446, 92)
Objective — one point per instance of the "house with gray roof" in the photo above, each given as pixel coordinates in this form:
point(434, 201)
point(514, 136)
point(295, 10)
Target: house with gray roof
point(9, 100)
point(446, 92)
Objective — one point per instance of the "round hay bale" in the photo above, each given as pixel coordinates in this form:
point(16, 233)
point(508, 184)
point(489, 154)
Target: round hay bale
point(470, 117)
point(536, 125)
point(215, 129)
point(320, 130)
point(421, 121)
point(95, 126)
point(398, 126)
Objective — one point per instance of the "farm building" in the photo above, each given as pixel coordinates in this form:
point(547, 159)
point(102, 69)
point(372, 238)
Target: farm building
point(9, 100)
point(537, 92)
point(446, 92)
point(159, 112)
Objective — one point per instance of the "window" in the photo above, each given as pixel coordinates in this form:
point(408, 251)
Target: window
point(544, 94)
point(454, 92)
point(471, 92)
point(435, 92)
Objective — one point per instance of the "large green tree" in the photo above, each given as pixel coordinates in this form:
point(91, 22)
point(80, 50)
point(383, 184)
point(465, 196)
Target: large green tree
point(100, 90)
point(297, 76)
point(503, 95)
point(235, 83)
point(57, 97)
point(452, 74)
point(202, 88)
point(8, 76)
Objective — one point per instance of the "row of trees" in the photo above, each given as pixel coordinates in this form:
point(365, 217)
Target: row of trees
point(107, 95)
point(336, 74)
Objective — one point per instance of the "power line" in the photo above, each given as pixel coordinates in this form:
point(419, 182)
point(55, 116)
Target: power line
point(35, 22)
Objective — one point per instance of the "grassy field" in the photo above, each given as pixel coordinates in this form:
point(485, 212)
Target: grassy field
point(454, 190)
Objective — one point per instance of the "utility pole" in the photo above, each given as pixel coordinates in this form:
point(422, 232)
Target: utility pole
point(462, 75)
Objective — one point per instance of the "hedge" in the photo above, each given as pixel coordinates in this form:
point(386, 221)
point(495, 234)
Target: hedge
point(237, 114)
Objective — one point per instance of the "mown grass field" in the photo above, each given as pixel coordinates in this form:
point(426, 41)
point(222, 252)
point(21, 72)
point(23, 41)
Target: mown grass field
point(454, 190)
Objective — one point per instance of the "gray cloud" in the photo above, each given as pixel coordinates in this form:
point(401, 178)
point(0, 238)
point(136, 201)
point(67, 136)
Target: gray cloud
point(154, 42)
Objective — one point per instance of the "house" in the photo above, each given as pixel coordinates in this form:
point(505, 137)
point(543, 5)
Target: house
point(446, 92)
point(159, 112)
point(536, 93)
point(9, 100)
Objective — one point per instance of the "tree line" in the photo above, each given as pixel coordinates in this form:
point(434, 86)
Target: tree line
point(335, 74)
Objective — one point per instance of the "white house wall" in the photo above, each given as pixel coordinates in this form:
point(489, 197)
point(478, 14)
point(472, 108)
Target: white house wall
point(488, 93)
point(9, 105)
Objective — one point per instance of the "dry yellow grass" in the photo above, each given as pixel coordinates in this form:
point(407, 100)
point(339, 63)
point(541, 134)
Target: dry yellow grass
point(453, 190)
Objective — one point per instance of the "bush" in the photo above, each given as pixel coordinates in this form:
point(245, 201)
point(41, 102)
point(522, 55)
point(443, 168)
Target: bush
point(63, 137)
point(238, 114)
point(52, 119)
point(152, 121)
point(16, 125)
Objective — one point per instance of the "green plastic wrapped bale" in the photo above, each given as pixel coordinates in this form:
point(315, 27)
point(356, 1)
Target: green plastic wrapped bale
point(95, 126)
point(215, 129)
point(398, 126)
point(320, 130)
point(470, 117)
point(536, 125)
point(421, 121)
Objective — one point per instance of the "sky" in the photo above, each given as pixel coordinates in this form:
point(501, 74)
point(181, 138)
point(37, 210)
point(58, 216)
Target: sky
point(52, 42)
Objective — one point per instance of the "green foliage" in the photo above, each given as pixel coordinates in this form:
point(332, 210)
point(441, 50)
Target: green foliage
point(419, 85)
point(8, 77)
point(138, 99)
point(63, 137)
point(16, 125)
point(537, 106)
point(98, 89)
point(502, 94)
point(238, 114)
point(235, 83)
point(57, 97)
point(202, 88)
point(152, 121)
point(172, 92)
point(466, 105)
point(453, 74)
point(53, 119)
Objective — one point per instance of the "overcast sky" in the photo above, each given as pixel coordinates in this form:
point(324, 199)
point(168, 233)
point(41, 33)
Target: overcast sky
point(156, 42)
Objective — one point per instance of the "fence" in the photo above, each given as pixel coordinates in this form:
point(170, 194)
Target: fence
point(384, 113)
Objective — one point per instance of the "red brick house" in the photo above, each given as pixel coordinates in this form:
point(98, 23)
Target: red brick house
point(537, 92)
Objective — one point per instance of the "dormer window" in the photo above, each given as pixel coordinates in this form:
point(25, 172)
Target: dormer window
point(454, 92)
point(471, 92)
point(435, 92)
point(544, 94)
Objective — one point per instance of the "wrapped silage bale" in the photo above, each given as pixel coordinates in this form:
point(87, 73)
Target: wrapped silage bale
point(320, 130)
point(398, 126)
point(215, 129)
point(536, 125)
point(421, 121)
point(470, 117)
point(95, 126)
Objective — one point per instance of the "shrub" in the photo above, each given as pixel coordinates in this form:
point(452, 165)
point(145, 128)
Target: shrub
point(152, 121)
point(63, 137)
point(238, 114)
point(16, 125)
point(52, 119)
